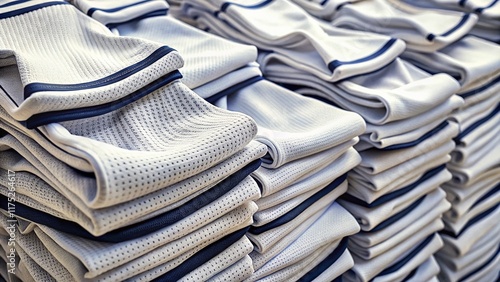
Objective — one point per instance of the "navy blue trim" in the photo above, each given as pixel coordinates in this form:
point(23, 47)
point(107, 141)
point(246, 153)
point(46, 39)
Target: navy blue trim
point(202, 256)
point(300, 208)
point(232, 89)
point(407, 258)
point(92, 111)
point(336, 63)
point(480, 10)
point(395, 194)
point(486, 196)
point(338, 279)
point(422, 138)
point(8, 95)
point(411, 274)
point(462, 3)
point(480, 89)
point(224, 6)
point(397, 216)
point(471, 222)
point(124, 73)
point(323, 2)
point(30, 9)
point(157, 13)
point(464, 19)
point(477, 124)
point(92, 10)
point(141, 228)
point(327, 262)
point(491, 259)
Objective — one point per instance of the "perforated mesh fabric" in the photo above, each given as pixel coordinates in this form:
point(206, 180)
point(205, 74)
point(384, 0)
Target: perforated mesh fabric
point(221, 262)
point(291, 137)
point(237, 272)
point(91, 54)
point(102, 220)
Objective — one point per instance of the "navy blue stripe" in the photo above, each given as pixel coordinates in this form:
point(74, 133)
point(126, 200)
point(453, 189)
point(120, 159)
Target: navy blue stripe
point(490, 260)
point(410, 276)
point(422, 138)
point(8, 95)
point(471, 222)
point(298, 209)
point(336, 63)
point(256, 6)
point(202, 256)
point(86, 112)
point(486, 196)
point(124, 73)
point(13, 3)
point(480, 10)
point(397, 216)
point(30, 9)
point(323, 2)
point(327, 262)
point(462, 2)
point(92, 10)
point(477, 124)
point(464, 19)
point(161, 12)
point(402, 262)
point(141, 228)
point(232, 89)
point(395, 194)
point(480, 89)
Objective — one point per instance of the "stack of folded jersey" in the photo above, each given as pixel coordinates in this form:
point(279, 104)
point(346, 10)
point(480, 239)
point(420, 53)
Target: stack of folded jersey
point(407, 140)
point(121, 171)
point(488, 13)
point(471, 234)
point(310, 151)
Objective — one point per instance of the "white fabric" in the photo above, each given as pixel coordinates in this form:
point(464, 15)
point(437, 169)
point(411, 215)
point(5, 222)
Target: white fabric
point(289, 137)
point(381, 96)
point(284, 201)
point(333, 225)
point(301, 43)
point(457, 225)
point(113, 157)
point(375, 161)
point(473, 61)
point(335, 222)
point(426, 271)
point(460, 192)
point(484, 8)
point(38, 194)
point(320, 8)
point(366, 270)
point(206, 57)
point(297, 270)
point(460, 208)
point(469, 114)
point(489, 160)
point(90, 51)
point(237, 272)
point(319, 179)
point(222, 261)
point(104, 258)
point(413, 128)
point(341, 265)
point(420, 213)
point(398, 175)
point(274, 180)
point(113, 12)
point(412, 24)
point(449, 275)
point(421, 225)
point(463, 244)
point(267, 239)
point(458, 263)
point(369, 218)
